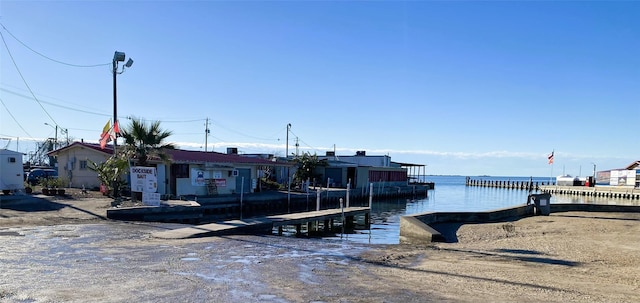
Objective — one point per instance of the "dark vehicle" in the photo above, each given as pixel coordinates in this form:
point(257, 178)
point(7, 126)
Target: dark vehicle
point(35, 175)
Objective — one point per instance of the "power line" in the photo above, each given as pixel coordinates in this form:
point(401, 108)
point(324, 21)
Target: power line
point(305, 143)
point(14, 119)
point(24, 80)
point(54, 104)
point(243, 134)
point(49, 58)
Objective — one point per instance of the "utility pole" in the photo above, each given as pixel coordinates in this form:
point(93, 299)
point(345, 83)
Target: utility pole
point(55, 143)
point(287, 148)
point(287, 155)
point(206, 134)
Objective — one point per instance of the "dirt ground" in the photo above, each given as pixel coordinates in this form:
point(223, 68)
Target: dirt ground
point(564, 257)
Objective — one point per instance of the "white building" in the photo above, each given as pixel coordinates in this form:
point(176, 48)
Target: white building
point(11, 171)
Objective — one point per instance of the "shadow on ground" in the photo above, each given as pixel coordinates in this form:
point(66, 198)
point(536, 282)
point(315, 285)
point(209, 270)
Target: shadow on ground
point(29, 204)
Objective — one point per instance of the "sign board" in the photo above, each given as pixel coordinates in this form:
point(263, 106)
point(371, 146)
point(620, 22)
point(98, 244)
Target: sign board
point(144, 179)
point(151, 199)
point(199, 177)
point(623, 178)
point(221, 182)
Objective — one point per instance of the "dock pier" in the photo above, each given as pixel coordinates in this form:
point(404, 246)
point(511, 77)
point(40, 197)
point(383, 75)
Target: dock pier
point(266, 224)
point(616, 192)
point(508, 184)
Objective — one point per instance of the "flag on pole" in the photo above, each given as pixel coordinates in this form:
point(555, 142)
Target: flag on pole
point(105, 137)
point(550, 157)
point(116, 129)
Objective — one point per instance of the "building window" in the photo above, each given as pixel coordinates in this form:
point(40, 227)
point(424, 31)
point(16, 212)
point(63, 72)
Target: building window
point(83, 164)
point(180, 170)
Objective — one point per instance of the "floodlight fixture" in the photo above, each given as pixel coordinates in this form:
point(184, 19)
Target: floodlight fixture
point(118, 56)
point(129, 63)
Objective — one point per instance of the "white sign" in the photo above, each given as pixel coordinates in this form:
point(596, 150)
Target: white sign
point(144, 179)
point(198, 177)
point(151, 199)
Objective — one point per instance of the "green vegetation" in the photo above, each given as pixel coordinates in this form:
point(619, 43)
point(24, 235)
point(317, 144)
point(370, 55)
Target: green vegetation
point(144, 141)
point(307, 165)
point(110, 172)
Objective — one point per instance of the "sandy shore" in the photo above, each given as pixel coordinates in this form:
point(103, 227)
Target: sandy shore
point(564, 257)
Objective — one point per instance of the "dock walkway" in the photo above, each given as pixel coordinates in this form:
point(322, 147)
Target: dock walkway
point(263, 223)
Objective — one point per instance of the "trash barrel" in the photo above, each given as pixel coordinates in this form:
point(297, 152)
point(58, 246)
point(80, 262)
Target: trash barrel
point(542, 204)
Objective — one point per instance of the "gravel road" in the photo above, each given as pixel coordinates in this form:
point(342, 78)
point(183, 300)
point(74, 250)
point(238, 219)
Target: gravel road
point(65, 250)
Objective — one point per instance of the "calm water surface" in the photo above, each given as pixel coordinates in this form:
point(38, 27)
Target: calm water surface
point(451, 194)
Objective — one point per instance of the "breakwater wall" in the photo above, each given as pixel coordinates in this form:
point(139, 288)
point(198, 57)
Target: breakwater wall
point(619, 192)
point(420, 228)
point(524, 185)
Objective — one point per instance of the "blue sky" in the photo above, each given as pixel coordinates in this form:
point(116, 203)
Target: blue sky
point(464, 87)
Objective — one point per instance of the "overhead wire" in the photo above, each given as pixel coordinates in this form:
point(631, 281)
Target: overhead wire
point(49, 58)
point(305, 143)
point(243, 134)
point(24, 80)
point(14, 119)
point(84, 111)
point(54, 104)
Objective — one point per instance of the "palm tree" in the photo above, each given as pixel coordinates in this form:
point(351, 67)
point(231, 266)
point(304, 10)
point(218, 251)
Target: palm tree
point(307, 165)
point(143, 141)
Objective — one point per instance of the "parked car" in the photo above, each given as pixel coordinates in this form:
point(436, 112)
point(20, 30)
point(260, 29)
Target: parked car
point(35, 175)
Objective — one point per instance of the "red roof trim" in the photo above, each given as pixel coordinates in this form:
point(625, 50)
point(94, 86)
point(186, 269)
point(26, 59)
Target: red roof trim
point(107, 150)
point(187, 156)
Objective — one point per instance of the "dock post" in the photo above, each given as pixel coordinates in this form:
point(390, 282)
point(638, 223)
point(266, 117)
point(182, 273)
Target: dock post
point(348, 189)
point(343, 221)
point(280, 230)
point(350, 223)
point(370, 194)
point(326, 226)
point(298, 229)
point(318, 200)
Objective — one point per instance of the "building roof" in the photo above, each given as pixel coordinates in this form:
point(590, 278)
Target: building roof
point(633, 165)
point(10, 152)
point(107, 150)
point(186, 156)
point(192, 156)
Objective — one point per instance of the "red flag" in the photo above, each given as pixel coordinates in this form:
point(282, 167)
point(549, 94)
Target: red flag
point(116, 128)
point(105, 137)
point(550, 158)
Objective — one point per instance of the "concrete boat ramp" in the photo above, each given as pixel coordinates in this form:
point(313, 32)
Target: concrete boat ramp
point(268, 223)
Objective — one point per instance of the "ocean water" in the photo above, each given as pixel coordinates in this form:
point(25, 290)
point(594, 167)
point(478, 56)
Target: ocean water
point(451, 194)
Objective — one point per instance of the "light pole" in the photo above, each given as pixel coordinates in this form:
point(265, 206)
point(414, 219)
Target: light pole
point(55, 143)
point(66, 132)
point(117, 57)
point(287, 148)
point(594, 173)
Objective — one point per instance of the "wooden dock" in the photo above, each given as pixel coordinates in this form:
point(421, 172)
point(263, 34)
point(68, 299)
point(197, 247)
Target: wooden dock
point(261, 224)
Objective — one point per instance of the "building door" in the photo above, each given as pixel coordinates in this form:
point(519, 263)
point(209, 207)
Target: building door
point(246, 174)
point(351, 175)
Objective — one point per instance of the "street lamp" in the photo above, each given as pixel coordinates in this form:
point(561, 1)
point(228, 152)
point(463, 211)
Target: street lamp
point(117, 57)
point(55, 143)
point(66, 132)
